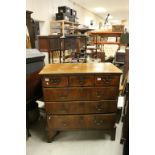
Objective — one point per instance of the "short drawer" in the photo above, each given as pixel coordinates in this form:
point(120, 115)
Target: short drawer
point(81, 107)
point(107, 80)
point(78, 94)
point(95, 121)
point(55, 81)
point(82, 80)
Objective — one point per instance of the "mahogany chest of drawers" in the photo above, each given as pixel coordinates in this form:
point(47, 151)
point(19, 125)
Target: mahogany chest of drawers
point(80, 96)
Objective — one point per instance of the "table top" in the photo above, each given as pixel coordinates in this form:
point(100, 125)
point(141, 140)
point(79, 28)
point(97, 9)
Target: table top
point(80, 68)
point(59, 36)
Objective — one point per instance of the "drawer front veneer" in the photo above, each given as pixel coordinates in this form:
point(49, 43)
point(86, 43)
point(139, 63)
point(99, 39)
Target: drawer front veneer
point(107, 80)
point(95, 121)
point(55, 81)
point(81, 107)
point(81, 80)
point(78, 94)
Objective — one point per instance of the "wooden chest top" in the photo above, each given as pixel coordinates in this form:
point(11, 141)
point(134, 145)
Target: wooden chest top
point(80, 68)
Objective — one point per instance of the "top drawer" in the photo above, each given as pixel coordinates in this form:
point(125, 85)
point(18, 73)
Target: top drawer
point(107, 80)
point(55, 81)
point(81, 80)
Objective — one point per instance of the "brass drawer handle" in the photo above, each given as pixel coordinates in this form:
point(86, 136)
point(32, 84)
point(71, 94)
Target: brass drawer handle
point(81, 119)
point(63, 110)
point(55, 81)
point(81, 80)
point(98, 122)
point(64, 124)
point(63, 96)
point(98, 94)
point(106, 79)
point(99, 107)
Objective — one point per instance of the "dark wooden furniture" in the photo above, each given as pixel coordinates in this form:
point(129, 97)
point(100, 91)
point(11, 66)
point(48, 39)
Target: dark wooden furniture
point(125, 119)
point(31, 29)
point(80, 96)
point(126, 63)
point(56, 43)
point(34, 63)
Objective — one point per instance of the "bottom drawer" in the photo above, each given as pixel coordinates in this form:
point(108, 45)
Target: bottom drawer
point(95, 121)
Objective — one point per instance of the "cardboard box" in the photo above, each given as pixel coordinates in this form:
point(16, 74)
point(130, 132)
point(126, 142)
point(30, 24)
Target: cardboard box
point(117, 28)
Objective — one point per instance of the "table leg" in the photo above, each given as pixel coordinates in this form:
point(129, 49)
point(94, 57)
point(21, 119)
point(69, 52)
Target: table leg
point(60, 57)
point(49, 57)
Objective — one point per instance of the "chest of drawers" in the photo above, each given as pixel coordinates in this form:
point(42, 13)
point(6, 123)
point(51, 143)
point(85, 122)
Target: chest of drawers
point(80, 96)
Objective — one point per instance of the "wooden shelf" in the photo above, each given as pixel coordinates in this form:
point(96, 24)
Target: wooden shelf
point(98, 35)
point(106, 43)
point(102, 33)
point(63, 25)
point(65, 22)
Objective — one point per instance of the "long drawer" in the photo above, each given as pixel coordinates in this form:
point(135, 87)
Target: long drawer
point(81, 107)
point(79, 93)
point(96, 121)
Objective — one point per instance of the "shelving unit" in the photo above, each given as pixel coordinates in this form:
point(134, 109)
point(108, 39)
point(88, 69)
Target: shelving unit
point(61, 26)
point(101, 38)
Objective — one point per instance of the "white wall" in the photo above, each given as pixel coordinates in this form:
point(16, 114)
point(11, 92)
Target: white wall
point(44, 10)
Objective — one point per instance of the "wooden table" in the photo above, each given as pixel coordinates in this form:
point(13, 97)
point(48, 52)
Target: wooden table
point(57, 43)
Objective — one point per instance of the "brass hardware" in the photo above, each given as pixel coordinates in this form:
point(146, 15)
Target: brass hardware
point(81, 80)
point(55, 80)
point(106, 79)
point(63, 96)
point(98, 94)
point(63, 110)
point(47, 79)
point(64, 124)
point(98, 122)
point(99, 107)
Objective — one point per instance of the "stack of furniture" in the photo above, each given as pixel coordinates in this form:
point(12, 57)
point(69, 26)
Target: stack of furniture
point(66, 13)
point(80, 96)
point(65, 22)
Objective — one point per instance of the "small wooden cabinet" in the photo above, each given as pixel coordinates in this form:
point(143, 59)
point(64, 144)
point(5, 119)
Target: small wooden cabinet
point(80, 96)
